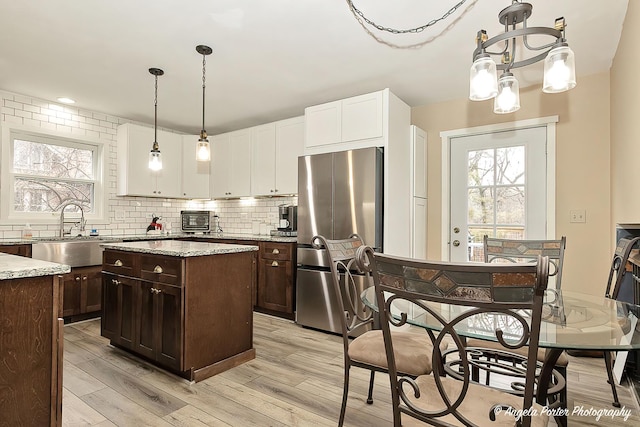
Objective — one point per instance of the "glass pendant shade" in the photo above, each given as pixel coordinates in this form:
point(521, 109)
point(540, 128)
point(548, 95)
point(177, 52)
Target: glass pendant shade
point(559, 70)
point(483, 80)
point(155, 160)
point(203, 151)
point(508, 98)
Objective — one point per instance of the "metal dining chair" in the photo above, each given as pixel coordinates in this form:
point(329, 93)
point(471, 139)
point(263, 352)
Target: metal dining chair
point(513, 251)
point(477, 289)
point(366, 350)
point(614, 282)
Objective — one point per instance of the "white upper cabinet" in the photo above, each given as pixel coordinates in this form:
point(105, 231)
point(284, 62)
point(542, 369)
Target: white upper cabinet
point(352, 119)
point(362, 117)
point(195, 174)
point(419, 139)
point(219, 185)
point(289, 146)
point(274, 160)
point(322, 124)
point(263, 160)
point(231, 164)
point(134, 176)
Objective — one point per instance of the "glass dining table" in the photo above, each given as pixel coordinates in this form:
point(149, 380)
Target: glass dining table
point(571, 321)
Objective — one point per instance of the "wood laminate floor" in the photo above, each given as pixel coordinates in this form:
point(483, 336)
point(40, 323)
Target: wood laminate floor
point(295, 380)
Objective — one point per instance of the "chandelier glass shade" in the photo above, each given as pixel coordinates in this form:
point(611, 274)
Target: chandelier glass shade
point(559, 60)
point(155, 156)
point(508, 98)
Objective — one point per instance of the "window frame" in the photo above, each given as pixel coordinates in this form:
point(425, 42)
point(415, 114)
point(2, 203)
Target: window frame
point(10, 132)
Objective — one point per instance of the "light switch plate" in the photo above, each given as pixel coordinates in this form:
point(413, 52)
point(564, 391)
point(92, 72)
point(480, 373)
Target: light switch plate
point(578, 215)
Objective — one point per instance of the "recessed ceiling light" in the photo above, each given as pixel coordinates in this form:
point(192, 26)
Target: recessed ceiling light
point(66, 100)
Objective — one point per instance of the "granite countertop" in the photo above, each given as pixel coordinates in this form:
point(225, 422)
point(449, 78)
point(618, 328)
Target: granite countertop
point(144, 236)
point(16, 267)
point(179, 248)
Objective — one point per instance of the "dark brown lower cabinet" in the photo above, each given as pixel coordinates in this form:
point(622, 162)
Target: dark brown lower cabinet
point(82, 291)
point(31, 350)
point(21, 250)
point(190, 315)
point(117, 322)
point(158, 329)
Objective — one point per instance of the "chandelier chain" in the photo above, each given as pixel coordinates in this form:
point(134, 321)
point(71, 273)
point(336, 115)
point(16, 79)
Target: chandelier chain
point(410, 30)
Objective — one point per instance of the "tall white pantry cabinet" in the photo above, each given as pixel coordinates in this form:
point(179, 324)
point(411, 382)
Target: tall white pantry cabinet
point(380, 119)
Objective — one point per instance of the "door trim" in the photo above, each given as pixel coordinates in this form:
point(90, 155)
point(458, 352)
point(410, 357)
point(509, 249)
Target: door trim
point(549, 122)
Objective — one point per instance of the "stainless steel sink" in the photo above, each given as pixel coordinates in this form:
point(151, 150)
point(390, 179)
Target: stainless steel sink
point(76, 252)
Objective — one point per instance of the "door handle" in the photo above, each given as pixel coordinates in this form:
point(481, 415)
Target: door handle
point(456, 243)
point(118, 263)
point(157, 269)
point(456, 230)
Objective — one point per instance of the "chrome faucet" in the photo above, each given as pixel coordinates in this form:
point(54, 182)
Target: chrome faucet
point(80, 223)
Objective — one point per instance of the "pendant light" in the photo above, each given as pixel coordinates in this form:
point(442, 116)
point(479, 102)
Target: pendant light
point(203, 152)
point(155, 159)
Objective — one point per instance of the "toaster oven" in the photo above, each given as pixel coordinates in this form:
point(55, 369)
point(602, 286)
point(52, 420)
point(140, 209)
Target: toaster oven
point(195, 221)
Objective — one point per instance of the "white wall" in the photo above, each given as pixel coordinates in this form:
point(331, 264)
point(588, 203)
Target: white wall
point(36, 114)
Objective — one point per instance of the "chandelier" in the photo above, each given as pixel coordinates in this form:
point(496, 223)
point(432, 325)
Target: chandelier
point(559, 61)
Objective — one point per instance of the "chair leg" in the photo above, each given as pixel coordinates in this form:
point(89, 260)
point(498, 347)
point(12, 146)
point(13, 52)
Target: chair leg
point(370, 396)
point(345, 393)
point(609, 365)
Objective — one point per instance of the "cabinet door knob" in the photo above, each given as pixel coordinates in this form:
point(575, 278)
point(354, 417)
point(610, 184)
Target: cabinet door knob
point(118, 263)
point(84, 277)
point(157, 269)
point(115, 282)
point(155, 291)
point(274, 264)
point(77, 278)
point(275, 251)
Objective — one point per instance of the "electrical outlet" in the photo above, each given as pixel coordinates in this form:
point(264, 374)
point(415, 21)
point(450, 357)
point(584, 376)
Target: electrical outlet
point(119, 216)
point(578, 215)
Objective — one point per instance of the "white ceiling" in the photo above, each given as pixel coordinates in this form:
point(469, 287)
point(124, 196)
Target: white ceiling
point(271, 58)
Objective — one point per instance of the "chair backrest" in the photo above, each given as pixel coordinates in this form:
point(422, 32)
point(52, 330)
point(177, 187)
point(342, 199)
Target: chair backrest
point(356, 317)
point(514, 291)
point(512, 250)
point(618, 265)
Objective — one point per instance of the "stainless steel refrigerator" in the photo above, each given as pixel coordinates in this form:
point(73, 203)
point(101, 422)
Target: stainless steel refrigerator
point(338, 194)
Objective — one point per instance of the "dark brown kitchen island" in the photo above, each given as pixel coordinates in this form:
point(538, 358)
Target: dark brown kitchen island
point(184, 306)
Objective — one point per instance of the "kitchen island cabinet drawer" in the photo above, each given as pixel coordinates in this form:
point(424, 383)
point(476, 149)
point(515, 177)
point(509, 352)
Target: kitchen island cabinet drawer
point(118, 262)
point(161, 269)
point(276, 251)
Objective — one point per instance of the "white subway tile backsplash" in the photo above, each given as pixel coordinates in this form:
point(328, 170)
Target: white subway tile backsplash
point(236, 216)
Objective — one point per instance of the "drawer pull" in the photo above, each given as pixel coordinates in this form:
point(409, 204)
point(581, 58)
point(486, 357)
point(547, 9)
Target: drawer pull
point(158, 269)
point(118, 263)
point(275, 251)
point(155, 291)
point(274, 264)
point(115, 282)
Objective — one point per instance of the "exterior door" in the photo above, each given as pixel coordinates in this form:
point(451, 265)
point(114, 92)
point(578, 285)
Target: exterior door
point(498, 188)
